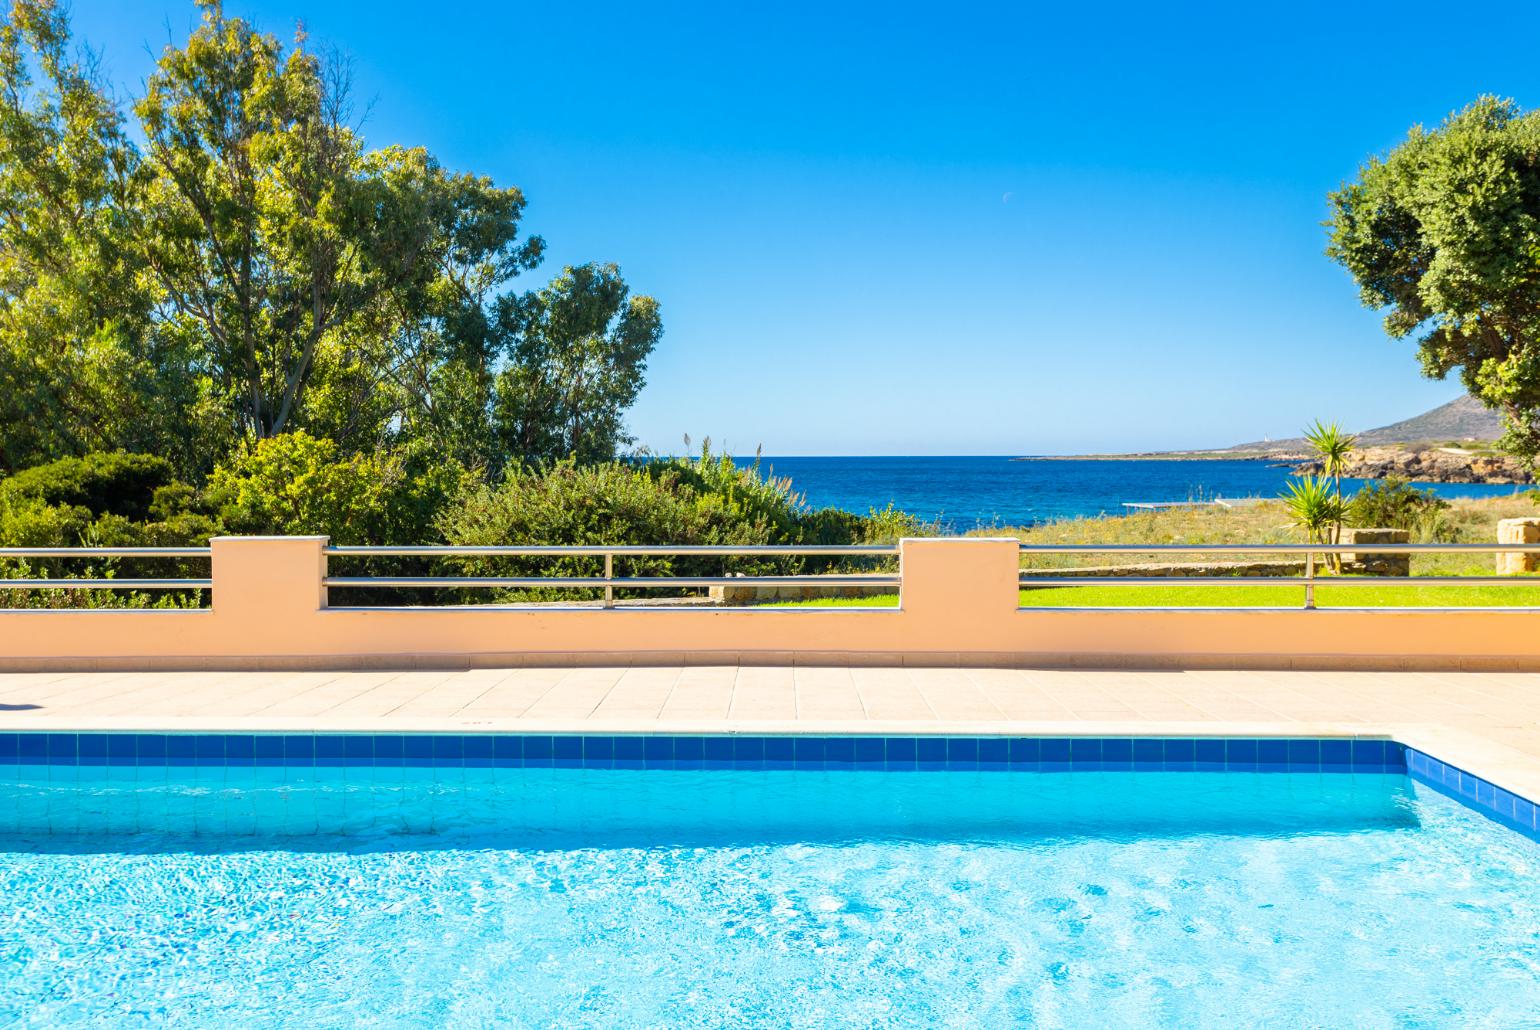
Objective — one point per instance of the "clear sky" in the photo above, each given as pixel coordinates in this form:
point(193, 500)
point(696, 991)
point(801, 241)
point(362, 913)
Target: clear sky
point(936, 229)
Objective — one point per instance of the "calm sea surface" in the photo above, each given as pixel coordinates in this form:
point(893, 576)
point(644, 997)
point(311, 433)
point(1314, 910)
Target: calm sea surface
point(968, 492)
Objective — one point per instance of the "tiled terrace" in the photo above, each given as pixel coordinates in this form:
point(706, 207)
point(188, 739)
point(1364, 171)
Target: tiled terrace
point(1487, 722)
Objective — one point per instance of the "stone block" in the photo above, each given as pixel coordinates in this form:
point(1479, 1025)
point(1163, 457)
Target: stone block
point(1517, 531)
point(1376, 564)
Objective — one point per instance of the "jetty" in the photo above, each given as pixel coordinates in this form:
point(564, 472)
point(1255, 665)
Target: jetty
point(1217, 502)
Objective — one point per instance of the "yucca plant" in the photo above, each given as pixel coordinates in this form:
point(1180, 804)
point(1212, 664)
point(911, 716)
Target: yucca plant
point(1314, 506)
point(1333, 447)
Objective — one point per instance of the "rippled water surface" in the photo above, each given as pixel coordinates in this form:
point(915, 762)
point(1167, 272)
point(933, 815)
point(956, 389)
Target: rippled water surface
point(643, 898)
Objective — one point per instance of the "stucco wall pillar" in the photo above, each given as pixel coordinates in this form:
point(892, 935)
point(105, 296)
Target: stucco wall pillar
point(268, 581)
point(959, 582)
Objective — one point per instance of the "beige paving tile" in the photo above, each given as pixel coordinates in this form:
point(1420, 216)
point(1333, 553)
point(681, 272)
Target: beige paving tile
point(1016, 696)
point(641, 692)
point(577, 694)
point(952, 694)
point(516, 694)
point(827, 692)
point(701, 691)
point(764, 692)
point(886, 693)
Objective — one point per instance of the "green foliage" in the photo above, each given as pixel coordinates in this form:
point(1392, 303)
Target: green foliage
point(299, 261)
point(224, 261)
point(1333, 446)
point(117, 482)
point(582, 349)
point(1313, 506)
point(299, 485)
point(1444, 234)
point(99, 500)
point(1394, 503)
point(701, 501)
point(80, 369)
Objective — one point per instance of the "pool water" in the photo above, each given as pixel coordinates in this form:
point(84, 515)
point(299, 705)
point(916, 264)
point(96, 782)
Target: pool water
point(571, 897)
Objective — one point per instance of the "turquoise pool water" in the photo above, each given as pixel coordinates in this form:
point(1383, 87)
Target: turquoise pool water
point(571, 897)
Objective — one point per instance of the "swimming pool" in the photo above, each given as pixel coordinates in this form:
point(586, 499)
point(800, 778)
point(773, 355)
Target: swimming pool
point(705, 881)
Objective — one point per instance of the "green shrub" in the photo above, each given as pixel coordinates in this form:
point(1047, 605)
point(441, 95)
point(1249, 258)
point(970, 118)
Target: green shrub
point(613, 503)
point(1393, 503)
point(701, 501)
point(113, 482)
point(299, 485)
point(165, 516)
point(29, 522)
point(107, 499)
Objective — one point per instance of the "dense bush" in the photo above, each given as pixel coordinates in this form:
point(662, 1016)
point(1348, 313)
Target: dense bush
point(106, 499)
point(113, 482)
point(296, 484)
point(709, 500)
point(1394, 503)
point(100, 500)
point(300, 485)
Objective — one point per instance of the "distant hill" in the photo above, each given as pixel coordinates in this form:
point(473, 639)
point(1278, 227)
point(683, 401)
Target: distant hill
point(1463, 418)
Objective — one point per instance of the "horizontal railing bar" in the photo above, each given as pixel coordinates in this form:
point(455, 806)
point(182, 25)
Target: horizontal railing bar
point(106, 584)
point(637, 582)
point(1091, 581)
point(879, 550)
point(599, 550)
point(1300, 549)
point(1276, 581)
point(104, 552)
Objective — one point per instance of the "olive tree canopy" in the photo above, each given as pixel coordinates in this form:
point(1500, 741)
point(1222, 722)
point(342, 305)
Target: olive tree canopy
point(1443, 234)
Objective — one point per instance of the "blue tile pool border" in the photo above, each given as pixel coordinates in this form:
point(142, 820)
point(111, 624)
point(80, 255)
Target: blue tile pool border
point(704, 751)
point(1504, 806)
point(916, 753)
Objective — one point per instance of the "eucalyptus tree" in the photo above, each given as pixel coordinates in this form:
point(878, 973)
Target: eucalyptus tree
point(579, 361)
point(235, 264)
point(304, 264)
point(80, 366)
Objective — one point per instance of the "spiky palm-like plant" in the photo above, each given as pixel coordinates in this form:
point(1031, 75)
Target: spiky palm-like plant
point(1334, 448)
point(1314, 505)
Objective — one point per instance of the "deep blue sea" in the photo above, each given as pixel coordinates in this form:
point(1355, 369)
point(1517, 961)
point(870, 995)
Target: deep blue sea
point(965, 493)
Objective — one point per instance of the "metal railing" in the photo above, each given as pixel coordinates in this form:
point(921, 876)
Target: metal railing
point(608, 581)
point(1309, 581)
point(114, 583)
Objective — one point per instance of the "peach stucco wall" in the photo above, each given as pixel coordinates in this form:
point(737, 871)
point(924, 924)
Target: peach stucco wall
point(958, 605)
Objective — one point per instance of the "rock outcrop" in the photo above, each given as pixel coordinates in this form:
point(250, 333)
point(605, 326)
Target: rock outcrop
point(1433, 465)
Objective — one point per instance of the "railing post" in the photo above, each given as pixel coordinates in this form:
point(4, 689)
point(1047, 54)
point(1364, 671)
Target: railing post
point(609, 575)
point(1309, 580)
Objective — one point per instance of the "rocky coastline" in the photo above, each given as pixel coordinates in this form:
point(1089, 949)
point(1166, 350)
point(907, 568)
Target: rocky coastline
point(1430, 465)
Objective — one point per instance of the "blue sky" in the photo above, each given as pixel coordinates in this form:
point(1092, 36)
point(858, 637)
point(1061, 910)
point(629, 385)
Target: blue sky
point(935, 229)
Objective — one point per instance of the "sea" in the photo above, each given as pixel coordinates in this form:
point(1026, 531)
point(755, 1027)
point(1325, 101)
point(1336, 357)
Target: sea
point(973, 492)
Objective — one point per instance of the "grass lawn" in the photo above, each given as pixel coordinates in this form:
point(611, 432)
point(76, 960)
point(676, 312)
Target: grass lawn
point(1247, 596)
point(1464, 521)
